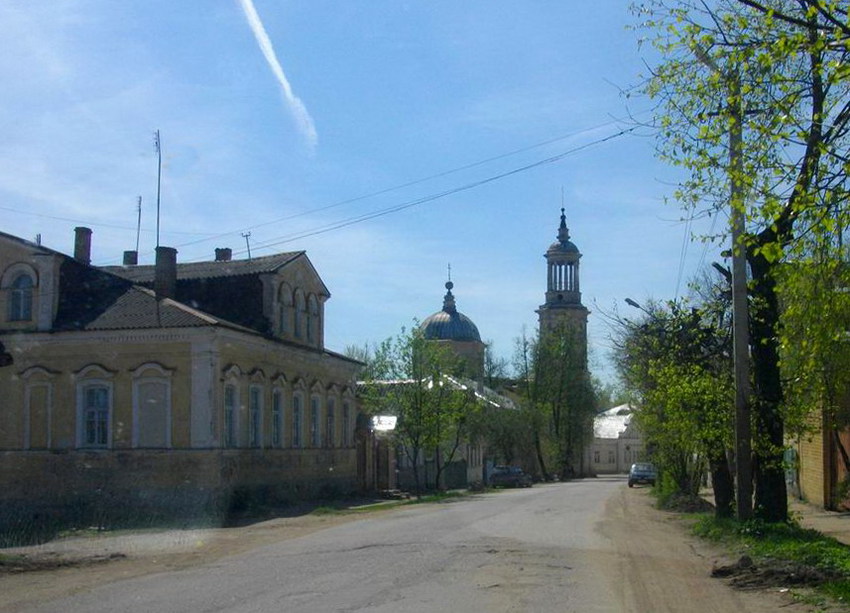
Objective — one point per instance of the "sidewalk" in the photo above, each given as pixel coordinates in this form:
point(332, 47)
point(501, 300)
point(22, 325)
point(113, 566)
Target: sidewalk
point(829, 523)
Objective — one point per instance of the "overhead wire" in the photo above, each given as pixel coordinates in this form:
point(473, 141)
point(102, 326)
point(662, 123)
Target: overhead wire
point(432, 197)
point(400, 186)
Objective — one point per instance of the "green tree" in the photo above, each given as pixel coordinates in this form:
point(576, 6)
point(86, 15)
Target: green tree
point(408, 379)
point(675, 360)
point(557, 399)
point(777, 72)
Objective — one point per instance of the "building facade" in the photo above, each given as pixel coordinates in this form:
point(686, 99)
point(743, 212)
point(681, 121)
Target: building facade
point(174, 388)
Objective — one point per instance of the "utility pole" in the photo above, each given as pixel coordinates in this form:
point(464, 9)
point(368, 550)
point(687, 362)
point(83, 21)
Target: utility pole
point(158, 144)
point(246, 236)
point(740, 309)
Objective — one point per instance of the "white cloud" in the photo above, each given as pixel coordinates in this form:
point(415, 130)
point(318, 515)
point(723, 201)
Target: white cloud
point(296, 106)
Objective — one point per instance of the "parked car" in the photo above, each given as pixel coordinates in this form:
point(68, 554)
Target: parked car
point(509, 476)
point(642, 473)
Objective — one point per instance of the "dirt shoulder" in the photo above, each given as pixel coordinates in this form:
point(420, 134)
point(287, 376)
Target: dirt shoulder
point(661, 567)
point(41, 573)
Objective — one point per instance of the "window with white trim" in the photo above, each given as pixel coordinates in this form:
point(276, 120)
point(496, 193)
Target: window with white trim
point(285, 309)
point(346, 425)
point(230, 408)
point(255, 416)
point(20, 298)
point(296, 421)
point(315, 431)
point(277, 418)
point(96, 413)
point(312, 319)
point(300, 311)
point(330, 423)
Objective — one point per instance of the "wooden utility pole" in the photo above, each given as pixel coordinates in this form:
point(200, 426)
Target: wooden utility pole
point(740, 308)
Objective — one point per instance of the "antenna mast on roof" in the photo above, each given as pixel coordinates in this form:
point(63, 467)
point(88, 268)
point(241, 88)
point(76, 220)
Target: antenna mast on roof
point(158, 145)
point(246, 236)
point(138, 222)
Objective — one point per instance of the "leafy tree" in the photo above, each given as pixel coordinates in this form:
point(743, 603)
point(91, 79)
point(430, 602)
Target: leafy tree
point(434, 411)
point(676, 362)
point(557, 399)
point(814, 348)
point(776, 72)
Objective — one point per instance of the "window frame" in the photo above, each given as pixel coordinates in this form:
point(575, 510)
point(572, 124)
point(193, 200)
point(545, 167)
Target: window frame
point(297, 420)
point(230, 432)
point(255, 416)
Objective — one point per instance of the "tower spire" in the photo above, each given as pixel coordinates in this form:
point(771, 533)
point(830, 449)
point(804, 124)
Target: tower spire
point(563, 231)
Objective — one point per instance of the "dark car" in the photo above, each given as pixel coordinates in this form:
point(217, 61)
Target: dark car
point(509, 476)
point(642, 473)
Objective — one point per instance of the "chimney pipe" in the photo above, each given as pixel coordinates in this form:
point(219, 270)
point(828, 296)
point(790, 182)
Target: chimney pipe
point(82, 244)
point(223, 254)
point(165, 272)
point(131, 258)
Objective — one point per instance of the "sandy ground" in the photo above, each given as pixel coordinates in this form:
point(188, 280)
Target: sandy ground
point(79, 563)
point(654, 560)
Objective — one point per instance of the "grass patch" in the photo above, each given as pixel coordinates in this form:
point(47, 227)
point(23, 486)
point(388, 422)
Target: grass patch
point(797, 550)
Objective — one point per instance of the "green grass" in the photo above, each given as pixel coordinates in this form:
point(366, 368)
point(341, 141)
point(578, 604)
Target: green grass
point(783, 542)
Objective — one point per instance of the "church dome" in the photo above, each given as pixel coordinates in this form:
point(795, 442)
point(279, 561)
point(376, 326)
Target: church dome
point(449, 324)
point(565, 246)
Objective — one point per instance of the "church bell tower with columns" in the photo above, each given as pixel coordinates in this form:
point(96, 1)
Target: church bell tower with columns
point(563, 311)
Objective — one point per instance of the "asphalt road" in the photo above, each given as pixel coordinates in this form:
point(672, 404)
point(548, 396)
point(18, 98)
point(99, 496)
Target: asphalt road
point(581, 546)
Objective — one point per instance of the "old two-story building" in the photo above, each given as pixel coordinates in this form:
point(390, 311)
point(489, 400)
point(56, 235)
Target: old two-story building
point(617, 442)
point(183, 388)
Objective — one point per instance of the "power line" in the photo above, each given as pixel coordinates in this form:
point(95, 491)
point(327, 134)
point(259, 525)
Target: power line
point(393, 188)
point(430, 198)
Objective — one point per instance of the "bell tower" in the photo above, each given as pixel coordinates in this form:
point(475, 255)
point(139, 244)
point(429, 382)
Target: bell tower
point(563, 310)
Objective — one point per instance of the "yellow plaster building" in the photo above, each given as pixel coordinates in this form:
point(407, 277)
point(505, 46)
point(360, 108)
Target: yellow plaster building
point(174, 387)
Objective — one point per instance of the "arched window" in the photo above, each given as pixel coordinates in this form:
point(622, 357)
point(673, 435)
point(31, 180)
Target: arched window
point(20, 298)
point(312, 319)
point(300, 313)
point(284, 302)
point(152, 406)
point(296, 420)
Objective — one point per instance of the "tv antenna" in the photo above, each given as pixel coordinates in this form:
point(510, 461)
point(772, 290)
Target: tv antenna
point(139, 222)
point(246, 236)
point(157, 143)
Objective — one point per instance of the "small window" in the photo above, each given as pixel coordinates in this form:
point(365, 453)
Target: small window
point(312, 319)
point(277, 418)
point(300, 311)
point(255, 416)
point(230, 416)
point(330, 424)
point(596, 457)
point(346, 425)
point(315, 433)
point(20, 298)
point(285, 310)
point(296, 421)
point(95, 414)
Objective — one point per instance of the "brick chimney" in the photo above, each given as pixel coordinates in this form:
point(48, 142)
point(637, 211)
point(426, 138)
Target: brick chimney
point(165, 272)
point(82, 244)
point(223, 254)
point(131, 258)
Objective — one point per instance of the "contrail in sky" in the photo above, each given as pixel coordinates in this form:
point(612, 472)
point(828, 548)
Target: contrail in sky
point(299, 111)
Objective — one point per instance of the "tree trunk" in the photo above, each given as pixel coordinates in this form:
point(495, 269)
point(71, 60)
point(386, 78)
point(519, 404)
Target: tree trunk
point(539, 450)
point(722, 483)
point(771, 497)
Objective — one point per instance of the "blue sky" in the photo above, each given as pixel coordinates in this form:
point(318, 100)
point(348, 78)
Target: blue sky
point(276, 117)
